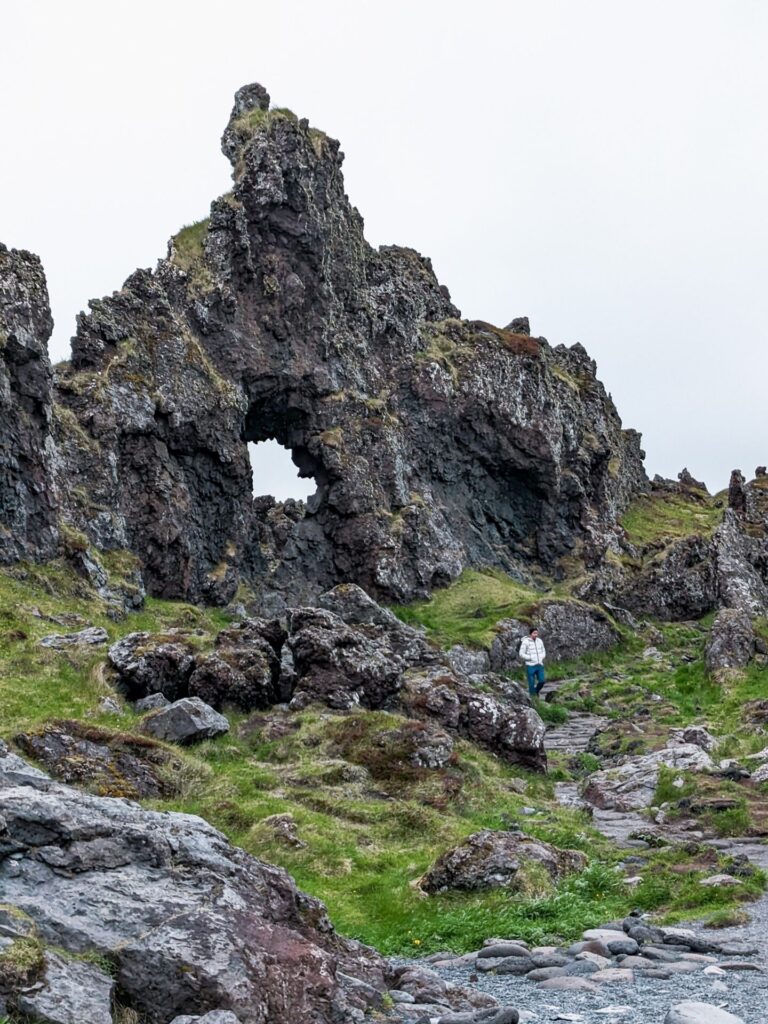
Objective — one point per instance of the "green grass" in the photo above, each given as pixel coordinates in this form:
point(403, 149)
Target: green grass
point(370, 822)
point(665, 517)
point(189, 251)
point(467, 611)
point(37, 684)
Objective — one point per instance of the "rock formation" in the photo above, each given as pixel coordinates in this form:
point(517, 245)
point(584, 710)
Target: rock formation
point(357, 656)
point(191, 923)
point(28, 503)
point(435, 442)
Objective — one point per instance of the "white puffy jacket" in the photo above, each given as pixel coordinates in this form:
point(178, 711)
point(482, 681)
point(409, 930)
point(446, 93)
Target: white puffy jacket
point(532, 651)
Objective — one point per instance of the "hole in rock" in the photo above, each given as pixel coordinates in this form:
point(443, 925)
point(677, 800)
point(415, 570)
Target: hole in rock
point(275, 473)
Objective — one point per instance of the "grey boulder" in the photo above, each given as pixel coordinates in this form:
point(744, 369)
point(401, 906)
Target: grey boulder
point(191, 923)
point(188, 720)
point(70, 992)
point(496, 859)
point(90, 637)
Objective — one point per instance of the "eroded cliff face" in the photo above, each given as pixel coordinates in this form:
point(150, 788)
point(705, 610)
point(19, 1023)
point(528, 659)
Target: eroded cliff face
point(435, 442)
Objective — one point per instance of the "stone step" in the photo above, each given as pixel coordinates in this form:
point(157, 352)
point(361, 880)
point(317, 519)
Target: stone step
point(573, 736)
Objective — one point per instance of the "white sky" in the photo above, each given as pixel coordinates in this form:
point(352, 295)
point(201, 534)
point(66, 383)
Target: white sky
point(598, 165)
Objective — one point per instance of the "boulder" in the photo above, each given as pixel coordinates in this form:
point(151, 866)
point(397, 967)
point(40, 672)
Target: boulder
point(503, 654)
point(348, 665)
point(188, 720)
point(731, 641)
point(695, 734)
point(693, 1012)
point(571, 629)
point(240, 678)
point(355, 607)
point(68, 992)
point(92, 636)
point(468, 662)
point(491, 860)
point(145, 664)
point(502, 722)
point(151, 703)
point(110, 763)
point(632, 784)
point(191, 923)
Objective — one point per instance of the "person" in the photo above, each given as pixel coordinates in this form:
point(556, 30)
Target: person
point(533, 653)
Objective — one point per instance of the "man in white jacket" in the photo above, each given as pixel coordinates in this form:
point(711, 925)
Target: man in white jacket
point(533, 653)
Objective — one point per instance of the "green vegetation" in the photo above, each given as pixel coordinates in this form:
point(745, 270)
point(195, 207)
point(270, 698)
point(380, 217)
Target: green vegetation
point(359, 824)
point(468, 610)
point(38, 684)
point(188, 252)
point(21, 962)
point(660, 518)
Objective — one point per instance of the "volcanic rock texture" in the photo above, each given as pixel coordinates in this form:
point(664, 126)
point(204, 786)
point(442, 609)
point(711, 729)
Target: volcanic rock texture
point(435, 442)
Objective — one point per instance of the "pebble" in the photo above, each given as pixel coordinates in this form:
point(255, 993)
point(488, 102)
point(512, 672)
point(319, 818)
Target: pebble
point(568, 984)
point(700, 1013)
point(614, 976)
point(605, 935)
point(503, 949)
point(397, 996)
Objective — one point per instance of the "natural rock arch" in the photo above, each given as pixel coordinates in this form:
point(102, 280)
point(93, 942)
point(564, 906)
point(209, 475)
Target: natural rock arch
point(435, 442)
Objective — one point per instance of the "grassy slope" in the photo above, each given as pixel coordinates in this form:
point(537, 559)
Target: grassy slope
point(369, 837)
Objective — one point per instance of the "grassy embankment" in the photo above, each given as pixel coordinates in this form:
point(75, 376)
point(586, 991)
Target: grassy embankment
point(370, 825)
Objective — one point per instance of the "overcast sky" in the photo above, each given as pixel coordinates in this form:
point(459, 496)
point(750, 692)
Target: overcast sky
point(598, 165)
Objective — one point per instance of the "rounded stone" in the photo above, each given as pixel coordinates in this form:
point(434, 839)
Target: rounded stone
point(700, 1013)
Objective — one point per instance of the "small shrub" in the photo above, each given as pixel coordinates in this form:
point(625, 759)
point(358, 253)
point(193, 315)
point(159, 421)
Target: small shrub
point(731, 918)
point(667, 791)
point(735, 821)
point(552, 714)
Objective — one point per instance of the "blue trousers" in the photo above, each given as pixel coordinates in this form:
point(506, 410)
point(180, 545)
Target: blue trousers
point(536, 679)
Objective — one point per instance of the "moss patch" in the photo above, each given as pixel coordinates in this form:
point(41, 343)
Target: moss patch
point(467, 611)
point(661, 517)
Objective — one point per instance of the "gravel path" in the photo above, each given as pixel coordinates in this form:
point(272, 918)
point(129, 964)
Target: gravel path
point(646, 1001)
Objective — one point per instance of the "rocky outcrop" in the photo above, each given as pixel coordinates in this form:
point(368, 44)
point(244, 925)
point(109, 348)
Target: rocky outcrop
point(482, 709)
point(108, 763)
point(190, 923)
point(358, 656)
point(435, 442)
point(492, 860)
point(568, 629)
point(688, 577)
point(731, 641)
point(632, 784)
point(28, 499)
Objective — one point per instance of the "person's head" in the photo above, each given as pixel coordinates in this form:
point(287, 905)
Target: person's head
point(533, 632)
